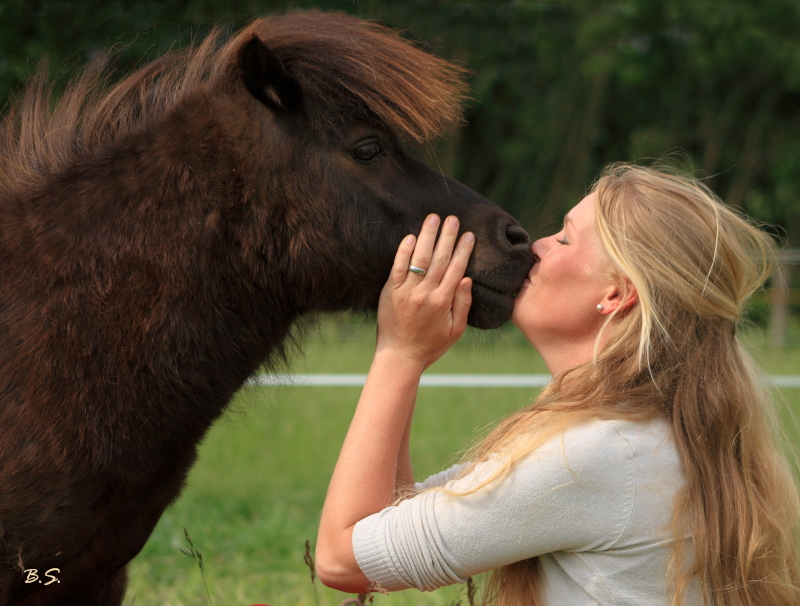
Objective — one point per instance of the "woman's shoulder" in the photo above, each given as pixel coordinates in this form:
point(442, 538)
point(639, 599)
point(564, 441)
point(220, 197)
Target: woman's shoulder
point(636, 436)
point(611, 447)
point(638, 457)
point(592, 455)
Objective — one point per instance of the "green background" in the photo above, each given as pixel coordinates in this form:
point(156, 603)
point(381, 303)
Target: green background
point(559, 88)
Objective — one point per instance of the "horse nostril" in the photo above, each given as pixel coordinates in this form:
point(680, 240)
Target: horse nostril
point(516, 235)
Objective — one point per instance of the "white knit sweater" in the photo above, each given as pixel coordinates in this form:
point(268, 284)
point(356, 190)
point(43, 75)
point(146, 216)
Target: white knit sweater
point(594, 504)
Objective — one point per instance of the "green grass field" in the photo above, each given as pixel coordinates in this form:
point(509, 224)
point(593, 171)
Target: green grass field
point(254, 497)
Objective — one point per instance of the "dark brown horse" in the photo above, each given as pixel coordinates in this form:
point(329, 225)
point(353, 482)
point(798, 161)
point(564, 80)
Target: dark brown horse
point(158, 238)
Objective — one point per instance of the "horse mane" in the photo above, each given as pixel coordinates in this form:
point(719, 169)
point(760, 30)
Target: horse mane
point(348, 69)
point(345, 65)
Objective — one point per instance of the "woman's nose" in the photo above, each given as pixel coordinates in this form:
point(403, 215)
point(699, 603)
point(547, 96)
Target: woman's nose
point(539, 247)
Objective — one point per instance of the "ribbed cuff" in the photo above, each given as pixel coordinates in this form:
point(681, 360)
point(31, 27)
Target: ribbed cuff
point(372, 554)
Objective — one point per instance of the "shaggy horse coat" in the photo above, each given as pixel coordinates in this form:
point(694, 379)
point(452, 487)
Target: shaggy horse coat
point(158, 237)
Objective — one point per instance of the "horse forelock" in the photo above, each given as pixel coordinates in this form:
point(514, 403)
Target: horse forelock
point(346, 66)
point(348, 69)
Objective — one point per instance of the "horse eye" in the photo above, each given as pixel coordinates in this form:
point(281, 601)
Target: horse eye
point(368, 151)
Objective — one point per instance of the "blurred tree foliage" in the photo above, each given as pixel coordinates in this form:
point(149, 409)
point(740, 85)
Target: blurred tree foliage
point(560, 87)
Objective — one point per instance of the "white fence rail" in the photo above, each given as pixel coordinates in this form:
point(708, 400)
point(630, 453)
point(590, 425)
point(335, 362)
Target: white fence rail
point(454, 380)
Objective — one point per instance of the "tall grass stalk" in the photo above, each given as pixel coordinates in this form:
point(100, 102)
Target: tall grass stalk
point(193, 552)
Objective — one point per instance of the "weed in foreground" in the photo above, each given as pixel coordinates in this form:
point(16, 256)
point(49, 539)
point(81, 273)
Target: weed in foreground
point(309, 560)
point(193, 552)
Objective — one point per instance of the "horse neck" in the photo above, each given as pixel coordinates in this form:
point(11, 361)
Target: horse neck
point(143, 290)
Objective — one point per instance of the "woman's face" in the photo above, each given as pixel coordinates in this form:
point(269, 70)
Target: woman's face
point(556, 308)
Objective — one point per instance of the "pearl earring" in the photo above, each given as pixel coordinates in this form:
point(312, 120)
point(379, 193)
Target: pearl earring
point(600, 307)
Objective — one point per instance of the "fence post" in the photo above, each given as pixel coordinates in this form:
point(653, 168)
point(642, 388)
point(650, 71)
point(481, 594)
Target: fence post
point(779, 297)
point(779, 306)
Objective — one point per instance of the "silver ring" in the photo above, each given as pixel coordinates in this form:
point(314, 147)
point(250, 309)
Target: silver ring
point(417, 270)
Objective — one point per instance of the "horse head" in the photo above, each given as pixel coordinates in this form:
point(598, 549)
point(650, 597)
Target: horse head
point(339, 103)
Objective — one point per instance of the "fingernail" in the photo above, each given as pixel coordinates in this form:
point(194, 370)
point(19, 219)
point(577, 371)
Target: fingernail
point(452, 222)
point(469, 237)
point(410, 239)
point(434, 220)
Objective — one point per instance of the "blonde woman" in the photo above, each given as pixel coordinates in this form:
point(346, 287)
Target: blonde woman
point(646, 473)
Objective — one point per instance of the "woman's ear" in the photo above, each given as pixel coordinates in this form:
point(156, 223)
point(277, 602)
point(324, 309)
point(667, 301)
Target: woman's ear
point(619, 298)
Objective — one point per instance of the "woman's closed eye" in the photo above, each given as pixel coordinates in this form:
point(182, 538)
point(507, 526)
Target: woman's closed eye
point(562, 240)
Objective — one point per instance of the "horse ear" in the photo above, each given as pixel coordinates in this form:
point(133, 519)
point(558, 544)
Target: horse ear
point(265, 77)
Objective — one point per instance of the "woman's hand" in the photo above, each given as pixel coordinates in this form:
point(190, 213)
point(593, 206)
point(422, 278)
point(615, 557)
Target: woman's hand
point(421, 317)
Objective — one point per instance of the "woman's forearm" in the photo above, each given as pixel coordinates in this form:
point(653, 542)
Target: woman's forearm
point(405, 472)
point(372, 465)
point(419, 318)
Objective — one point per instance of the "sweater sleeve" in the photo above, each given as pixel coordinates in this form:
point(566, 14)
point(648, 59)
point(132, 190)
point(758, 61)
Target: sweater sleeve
point(574, 493)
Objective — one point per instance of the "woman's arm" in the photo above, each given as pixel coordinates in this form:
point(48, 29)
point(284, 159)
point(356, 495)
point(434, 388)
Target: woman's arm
point(364, 480)
point(405, 472)
point(419, 318)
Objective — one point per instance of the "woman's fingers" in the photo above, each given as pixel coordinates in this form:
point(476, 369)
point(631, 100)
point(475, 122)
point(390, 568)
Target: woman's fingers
point(441, 263)
point(443, 251)
point(457, 265)
point(423, 251)
point(402, 259)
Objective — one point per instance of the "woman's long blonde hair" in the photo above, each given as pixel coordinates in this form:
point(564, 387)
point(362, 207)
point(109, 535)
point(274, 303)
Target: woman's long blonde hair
point(694, 264)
